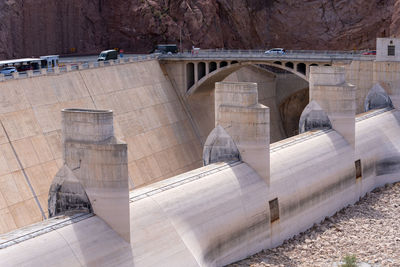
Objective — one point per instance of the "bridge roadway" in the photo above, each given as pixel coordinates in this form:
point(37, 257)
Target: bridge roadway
point(198, 71)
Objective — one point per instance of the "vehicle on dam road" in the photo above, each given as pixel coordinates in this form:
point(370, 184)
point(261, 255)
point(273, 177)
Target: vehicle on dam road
point(166, 49)
point(275, 51)
point(8, 70)
point(108, 55)
point(372, 52)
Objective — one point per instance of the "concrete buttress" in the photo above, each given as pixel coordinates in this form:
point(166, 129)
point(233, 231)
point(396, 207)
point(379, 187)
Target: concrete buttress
point(237, 110)
point(336, 97)
point(94, 158)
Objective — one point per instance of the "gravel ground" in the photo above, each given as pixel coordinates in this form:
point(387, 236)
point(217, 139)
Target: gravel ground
point(369, 229)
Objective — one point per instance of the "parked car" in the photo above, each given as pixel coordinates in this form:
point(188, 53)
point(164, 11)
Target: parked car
point(372, 52)
point(8, 70)
point(275, 51)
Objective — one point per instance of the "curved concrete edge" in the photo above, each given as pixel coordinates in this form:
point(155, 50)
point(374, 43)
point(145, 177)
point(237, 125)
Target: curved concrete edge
point(219, 147)
point(229, 215)
point(377, 98)
point(313, 117)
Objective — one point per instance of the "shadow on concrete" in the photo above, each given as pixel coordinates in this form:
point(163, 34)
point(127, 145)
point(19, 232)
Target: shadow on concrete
point(94, 243)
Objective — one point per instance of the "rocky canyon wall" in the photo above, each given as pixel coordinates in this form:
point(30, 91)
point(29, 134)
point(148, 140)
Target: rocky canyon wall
point(39, 27)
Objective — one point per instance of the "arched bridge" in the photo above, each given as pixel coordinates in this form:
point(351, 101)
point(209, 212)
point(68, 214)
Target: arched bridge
point(194, 72)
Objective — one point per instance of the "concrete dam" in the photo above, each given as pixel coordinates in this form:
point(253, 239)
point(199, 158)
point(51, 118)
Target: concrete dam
point(257, 187)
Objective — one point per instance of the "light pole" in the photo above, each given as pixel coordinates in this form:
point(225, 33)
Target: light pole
point(180, 38)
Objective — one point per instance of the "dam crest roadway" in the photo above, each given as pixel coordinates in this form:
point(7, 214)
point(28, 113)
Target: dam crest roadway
point(205, 67)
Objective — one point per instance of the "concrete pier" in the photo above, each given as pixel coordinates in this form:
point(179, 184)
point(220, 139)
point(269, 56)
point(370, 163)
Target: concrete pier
point(237, 110)
point(336, 97)
point(95, 159)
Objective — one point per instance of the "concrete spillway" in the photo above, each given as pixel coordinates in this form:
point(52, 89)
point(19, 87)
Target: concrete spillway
point(221, 213)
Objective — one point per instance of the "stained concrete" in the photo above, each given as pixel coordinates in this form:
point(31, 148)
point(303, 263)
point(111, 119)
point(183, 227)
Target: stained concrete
point(314, 117)
point(148, 117)
point(193, 209)
point(97, 162)
point(220, 213)
point(328, 87)
point(246, 121)
point(377, 98)
point(220, 147)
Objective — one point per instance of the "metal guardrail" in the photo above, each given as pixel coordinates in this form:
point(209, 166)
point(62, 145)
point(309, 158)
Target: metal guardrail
point(76, 66)
point(29, 232)
point(178, 180)
point(260, 54)
point(352, 52)
point(304, 55)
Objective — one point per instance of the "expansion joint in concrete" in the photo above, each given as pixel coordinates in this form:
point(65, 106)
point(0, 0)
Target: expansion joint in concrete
point(90, 95)
point(23, 171)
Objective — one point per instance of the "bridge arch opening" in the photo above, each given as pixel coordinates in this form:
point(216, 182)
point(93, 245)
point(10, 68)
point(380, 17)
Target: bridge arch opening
point(189, 75)
point(278, 63)
point(301, 67)
point(327, 65)
point(234, 62)
point(212, 66)
point(223, 64)
point(289, 65)
point(201, 70)
point(314, 64)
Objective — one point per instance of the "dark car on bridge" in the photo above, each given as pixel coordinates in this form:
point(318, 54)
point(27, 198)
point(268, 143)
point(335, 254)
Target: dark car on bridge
point(166, 49)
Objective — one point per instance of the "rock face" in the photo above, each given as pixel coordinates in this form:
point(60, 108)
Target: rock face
point(39, 27)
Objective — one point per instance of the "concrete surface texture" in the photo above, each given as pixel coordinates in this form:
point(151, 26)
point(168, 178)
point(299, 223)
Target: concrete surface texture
point(311, 175)
point(377, 98)
point(337, 97)
point(314, 117)
point(272, 90)
point(220, 147)
point(94, 158)
point(365, 74)
point(387, 49)
point(246, 121)
point(148, 117)
point(221, 213)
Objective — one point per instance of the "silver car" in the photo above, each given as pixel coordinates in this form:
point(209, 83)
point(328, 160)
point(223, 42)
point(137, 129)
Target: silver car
point(275, 51)
point(8, 70)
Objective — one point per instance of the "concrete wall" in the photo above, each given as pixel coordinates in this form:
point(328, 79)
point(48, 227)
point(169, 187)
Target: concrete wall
point(360, 73)
point(365, 74)
point(148, 117)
